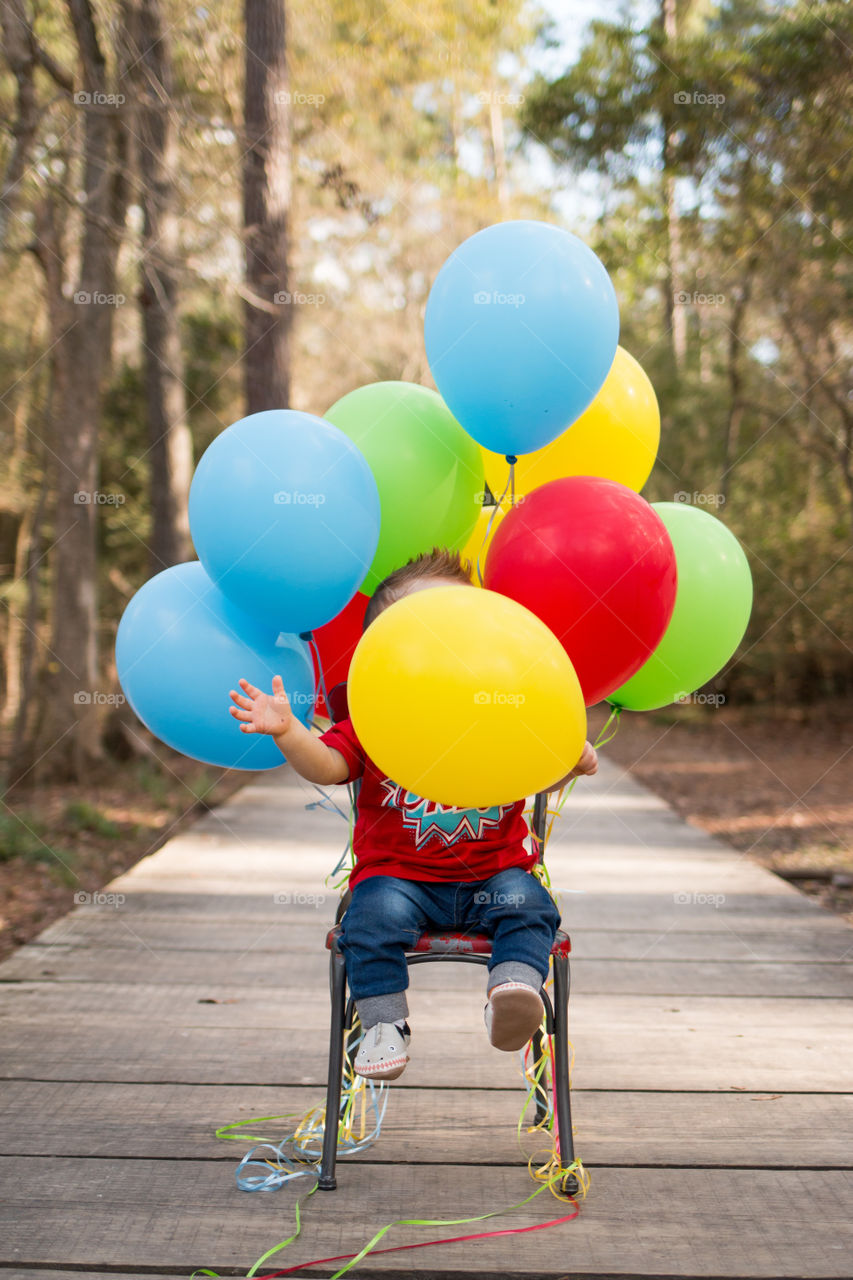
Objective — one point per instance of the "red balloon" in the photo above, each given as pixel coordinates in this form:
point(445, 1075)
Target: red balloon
point(336, 643)
point(594, 561)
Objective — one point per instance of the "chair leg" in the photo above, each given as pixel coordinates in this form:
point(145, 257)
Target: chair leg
point(337, 984)
point(562, 1096)
point(541, 1089)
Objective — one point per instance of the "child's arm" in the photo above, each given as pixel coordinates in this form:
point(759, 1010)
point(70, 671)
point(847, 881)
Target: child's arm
point(588, 764)
point(264, 713)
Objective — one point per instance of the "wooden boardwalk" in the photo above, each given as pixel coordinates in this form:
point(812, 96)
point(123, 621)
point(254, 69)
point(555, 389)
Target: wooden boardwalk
point(713, 1082)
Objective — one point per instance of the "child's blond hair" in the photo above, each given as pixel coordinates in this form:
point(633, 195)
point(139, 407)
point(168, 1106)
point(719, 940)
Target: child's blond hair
point(438, 563)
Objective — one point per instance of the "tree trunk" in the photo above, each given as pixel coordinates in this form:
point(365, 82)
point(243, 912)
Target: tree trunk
point(23, 54)
point(68, 742)
point(170, 453)
point(496, 129)
point(675, 304)
point(20, 55)
point(21, 758)
point(19, 502)
point(735, 377)
point(266, 208)
point(14, 638)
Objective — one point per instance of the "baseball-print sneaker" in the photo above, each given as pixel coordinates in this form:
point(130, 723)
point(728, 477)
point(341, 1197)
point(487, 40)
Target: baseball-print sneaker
point(512, 1015)
point(382, 1054)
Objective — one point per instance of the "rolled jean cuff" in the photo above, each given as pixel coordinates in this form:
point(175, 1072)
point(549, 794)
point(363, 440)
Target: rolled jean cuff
point(393, 1007)
point(515, 971)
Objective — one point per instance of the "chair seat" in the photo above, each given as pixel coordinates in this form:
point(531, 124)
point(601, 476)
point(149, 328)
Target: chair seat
point(438, 942)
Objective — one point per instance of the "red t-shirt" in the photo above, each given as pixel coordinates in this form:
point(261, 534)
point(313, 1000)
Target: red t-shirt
point(398, 833)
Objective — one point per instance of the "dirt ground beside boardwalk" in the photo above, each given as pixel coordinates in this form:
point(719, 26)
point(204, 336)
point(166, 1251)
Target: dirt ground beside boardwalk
point(775, 783)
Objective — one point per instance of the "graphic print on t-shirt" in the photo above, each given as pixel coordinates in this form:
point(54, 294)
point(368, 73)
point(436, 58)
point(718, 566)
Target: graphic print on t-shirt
point(427, 818)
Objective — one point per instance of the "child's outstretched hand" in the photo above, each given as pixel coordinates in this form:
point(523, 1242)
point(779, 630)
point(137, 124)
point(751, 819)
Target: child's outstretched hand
point(588, 763)
point(262, 712)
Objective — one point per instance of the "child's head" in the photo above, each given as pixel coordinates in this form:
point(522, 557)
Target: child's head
point(436, 568)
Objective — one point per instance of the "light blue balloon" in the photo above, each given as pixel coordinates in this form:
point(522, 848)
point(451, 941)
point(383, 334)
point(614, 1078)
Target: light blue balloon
point(521, 329)
point(182, 646)
point(284, 513)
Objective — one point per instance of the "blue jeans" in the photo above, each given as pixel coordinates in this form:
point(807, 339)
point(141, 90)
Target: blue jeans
point(387, 915)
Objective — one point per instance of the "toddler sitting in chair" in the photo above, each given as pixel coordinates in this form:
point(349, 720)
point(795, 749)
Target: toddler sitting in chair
point(421, 865)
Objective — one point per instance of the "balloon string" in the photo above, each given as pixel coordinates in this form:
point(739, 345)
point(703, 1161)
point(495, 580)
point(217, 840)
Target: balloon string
point(509, 488)
point(547, 1176)
point(315, 649)
point(438, 1222)
point(346, 859)
point(553, 811)
point(425, 1244)
point(602, 740)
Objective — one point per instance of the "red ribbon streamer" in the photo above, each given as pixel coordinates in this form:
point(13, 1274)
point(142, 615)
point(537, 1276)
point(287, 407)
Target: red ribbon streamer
point(425, 1244)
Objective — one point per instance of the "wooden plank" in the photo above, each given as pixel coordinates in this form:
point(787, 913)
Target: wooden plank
point(195, 932)
point(173, 1216)
point(614, 912)
point(103, 1032)
point(741, 915)
point(290, 863)
point(426, 1126)
point(189, 933)
point(137, 962)
point(26, 1273)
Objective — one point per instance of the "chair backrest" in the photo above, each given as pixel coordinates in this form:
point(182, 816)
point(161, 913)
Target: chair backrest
point(336, 701)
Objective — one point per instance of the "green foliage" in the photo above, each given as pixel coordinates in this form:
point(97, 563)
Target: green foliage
point(82, 816)
point(124, 527)
point(749, 109)
point(21, 836)
point(148, 777)
point(212, 346)
point(202, 786)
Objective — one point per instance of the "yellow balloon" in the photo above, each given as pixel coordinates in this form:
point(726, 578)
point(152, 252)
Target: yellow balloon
point(481, 538)
point(616, 438)
point(466, 698)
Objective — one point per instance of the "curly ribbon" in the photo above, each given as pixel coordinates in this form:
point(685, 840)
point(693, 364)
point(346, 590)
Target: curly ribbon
point(481, 1235)
point(311, 640)
point(412, 1222)
point(298, 1155)
point(554, 811)
point(604, 737)
point(540, 1075)
point(346, 862)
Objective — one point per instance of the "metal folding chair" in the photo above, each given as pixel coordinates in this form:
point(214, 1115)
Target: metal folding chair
point(443, 946)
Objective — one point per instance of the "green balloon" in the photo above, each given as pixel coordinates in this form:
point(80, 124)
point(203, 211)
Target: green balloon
point(427, 468)
point(712, 607)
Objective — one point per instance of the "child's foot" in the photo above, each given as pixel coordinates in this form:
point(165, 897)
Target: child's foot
point(512, 1015)
point(382, 1054)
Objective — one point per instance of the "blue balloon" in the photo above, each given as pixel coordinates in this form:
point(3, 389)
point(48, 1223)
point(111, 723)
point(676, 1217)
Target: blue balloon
point(284, 513)
point(521, 329)
point(182, 645)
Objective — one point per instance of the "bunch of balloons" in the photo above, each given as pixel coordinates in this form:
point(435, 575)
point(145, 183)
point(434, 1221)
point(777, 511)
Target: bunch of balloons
point(468, 697)
point(295, 520)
